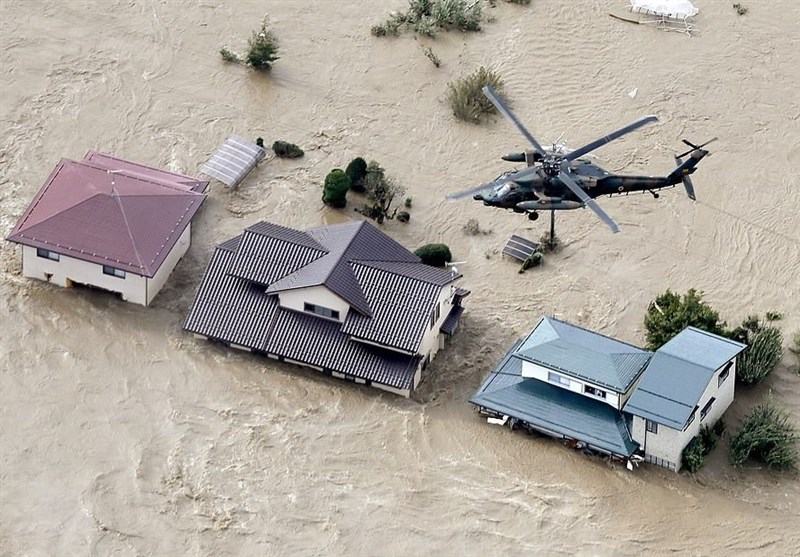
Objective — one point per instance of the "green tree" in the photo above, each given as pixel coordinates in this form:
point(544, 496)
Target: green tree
point(465, 96)
point(335, 189)
point(764, 352)
point(670, 313)
point(434, 254)
point(357, 172)
point(766, 435)
point(262, 48)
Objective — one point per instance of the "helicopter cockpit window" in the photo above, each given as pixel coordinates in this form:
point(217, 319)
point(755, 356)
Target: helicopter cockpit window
point(503, 191)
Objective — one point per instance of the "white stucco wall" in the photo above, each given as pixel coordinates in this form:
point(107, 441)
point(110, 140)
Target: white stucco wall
point(433, 340)
point(535, 371)
point(317, 295)
point(668, 443)
point(132, 288)
point(155, 284)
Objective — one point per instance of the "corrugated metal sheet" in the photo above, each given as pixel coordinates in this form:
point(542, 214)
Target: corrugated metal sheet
point(584, 354)
point(551, 408)
point(672, 385)
point(520, 248)
point(232, 162)
point(89, 211)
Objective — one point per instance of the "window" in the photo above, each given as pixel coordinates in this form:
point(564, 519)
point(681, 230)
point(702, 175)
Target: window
point(556, 378)
point(47, 254)
point(723, 375)
point(691, 417)
point(651, 426)
point(113, 271)
point(435, 314)
point(320, 310)
point(707, 408)
point(594, 391)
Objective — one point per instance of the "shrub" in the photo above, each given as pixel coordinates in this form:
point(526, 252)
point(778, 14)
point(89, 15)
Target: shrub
point(287, 150)
point(473, 228)
point(382, 190)
point(434, 254)
point(466, 97)
point(426, 17)
point(694, 455)
point(357, 172)
point(335, 190)
point(548, 244)
point(764, 352)
point(773, 316)
point(535, 260)
point(262, 48)
point(229, 56)
point(766, 435)
point(435, 60)
point(408, 202)
point(403, 216)
point(669, 314)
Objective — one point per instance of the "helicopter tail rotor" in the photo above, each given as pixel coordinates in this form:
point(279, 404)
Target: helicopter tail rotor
point(687, 182)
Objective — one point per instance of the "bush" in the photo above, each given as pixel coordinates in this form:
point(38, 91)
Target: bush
point(408, 202)
point(548, 244)
point(357, 172)
point(766, 435)
point(694, 454)
point(669, 314)
point(263, 48)
point(287, 150)
point(535, 260)
point(466, 97)
point(764, 352)
point(403, 216)
point(335, 190)
point(434, 254)
point(382, 190)
point(229, 56)
point(427, 17)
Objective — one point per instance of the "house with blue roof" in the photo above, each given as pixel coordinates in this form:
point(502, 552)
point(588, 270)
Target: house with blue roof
point(345, 299)
point(611, 396)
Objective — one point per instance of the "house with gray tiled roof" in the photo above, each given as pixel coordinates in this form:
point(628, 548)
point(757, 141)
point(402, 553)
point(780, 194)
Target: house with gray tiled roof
point(344, 299)
point(610, 396)
point(110, 224)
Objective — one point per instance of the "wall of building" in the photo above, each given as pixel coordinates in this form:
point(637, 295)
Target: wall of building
point(133, 287)
point(535, 371)
point(433, 340)
point(668, 443)
point(317, 295)
point(155, 284)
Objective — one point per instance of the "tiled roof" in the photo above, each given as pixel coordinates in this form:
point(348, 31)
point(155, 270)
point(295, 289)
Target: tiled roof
point(237, 300)
point(584, 354)
point(110, 216)
point(553, 409)
point(678, 374)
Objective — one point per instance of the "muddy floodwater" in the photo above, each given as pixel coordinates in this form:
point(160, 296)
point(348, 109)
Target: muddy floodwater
point(122, 435)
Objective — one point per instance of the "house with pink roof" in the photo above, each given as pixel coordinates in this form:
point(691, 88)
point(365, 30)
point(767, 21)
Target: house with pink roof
point(110, 224)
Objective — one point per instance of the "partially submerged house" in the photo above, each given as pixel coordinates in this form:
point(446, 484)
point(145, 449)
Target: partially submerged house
point(610, 396)
point(110, 224)
point(344, 299)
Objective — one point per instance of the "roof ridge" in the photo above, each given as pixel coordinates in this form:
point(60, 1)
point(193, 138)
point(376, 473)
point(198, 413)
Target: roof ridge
point(358, 227)
point(594, 333)
point(114, 195)
point(375, 264)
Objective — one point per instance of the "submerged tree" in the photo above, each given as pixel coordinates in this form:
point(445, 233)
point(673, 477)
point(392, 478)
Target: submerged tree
point(381, 190)
point(465, 96)
point(262, 49)
point(436, 255)
point(766, 435)
point(427, 17)
point(669, 314)
point(335, 189)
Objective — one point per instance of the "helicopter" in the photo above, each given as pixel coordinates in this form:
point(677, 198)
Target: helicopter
point(559, 179)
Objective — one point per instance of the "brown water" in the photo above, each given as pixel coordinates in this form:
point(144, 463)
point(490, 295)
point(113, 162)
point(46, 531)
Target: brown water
point(122, 435)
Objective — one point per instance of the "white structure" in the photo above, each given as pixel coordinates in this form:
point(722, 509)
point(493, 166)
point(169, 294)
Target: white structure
point(613, 397)
point(109, 224)
point(345, 299)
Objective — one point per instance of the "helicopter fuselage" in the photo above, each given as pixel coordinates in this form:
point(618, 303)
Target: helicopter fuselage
point(544, 192)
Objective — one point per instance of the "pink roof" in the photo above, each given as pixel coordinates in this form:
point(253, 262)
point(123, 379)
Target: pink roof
point(111, 212)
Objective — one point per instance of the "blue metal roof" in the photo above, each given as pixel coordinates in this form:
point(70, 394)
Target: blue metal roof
point(584, 354)
point(678, 374)
point(552, 408)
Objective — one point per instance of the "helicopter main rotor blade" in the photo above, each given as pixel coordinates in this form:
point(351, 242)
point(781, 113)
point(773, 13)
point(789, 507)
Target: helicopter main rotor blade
point(505, 111)
point(455, 196)
point(584, 197)
point(694, 147)
point(610, 137)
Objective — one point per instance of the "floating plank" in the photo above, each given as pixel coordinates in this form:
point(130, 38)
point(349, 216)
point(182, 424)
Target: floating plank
point(232, 162)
